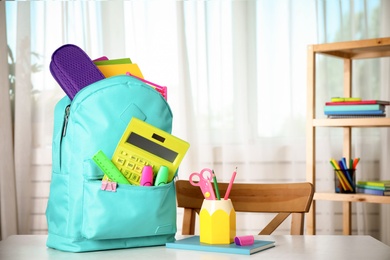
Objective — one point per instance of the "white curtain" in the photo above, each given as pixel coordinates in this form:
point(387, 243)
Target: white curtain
point(16, 130)
point(7, 181)
point(236, 76)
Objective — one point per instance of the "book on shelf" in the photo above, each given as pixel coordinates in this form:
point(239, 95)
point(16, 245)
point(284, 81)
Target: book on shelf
point(362, 102)
point(365, 112)
point(373, 187)
point(379, 183)
point(374, 107)
point(193, 243)
point(381, 188)
point(373, 191)
point(355, 116)
point(345, 99)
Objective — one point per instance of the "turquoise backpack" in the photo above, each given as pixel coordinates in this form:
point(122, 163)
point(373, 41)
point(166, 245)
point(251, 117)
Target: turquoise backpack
point(80, 215)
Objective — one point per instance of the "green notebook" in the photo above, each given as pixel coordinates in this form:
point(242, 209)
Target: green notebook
point(193, 243)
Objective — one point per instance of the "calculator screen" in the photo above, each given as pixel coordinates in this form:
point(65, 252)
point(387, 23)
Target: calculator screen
point(151, 147)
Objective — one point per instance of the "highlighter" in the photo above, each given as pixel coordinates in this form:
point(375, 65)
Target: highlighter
point(162, 176)
point(146, 176)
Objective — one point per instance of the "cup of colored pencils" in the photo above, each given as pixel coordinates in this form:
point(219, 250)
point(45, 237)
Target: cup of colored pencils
point(345, 175)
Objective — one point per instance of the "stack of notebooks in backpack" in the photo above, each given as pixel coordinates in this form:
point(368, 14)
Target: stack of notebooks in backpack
point(381, 188)
point(355, 108)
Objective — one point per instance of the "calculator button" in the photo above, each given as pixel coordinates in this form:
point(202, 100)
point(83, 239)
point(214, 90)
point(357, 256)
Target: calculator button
point(120, 161)
point(142, 161)
point(134, 178)
point(133, 158)
point(138, 168)
point(130, 165)
point(127, 174)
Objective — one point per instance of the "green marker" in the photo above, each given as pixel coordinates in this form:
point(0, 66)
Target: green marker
point(162, 176)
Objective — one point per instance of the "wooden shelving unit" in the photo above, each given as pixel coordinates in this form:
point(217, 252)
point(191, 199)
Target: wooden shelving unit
point(347, 51)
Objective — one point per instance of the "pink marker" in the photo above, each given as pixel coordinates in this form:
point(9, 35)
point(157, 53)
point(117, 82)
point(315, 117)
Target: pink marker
point(146, 176)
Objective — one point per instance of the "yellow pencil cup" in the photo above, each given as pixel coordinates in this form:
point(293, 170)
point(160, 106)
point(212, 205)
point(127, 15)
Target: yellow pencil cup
point(217, 222)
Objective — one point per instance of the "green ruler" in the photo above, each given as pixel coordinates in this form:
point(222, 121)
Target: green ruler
point(108, 168)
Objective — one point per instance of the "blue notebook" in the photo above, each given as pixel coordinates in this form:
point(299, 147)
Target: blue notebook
point(363, 112)
point(193, 243)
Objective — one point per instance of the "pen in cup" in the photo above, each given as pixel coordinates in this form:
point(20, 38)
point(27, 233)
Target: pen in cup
point(355, 162)
point(230, 185)
point(343, 181)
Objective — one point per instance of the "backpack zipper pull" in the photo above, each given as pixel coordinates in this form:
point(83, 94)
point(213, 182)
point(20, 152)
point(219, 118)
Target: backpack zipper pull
point(66, 117)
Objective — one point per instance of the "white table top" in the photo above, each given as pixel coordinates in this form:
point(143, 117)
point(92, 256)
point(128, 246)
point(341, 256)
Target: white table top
point(286, 247)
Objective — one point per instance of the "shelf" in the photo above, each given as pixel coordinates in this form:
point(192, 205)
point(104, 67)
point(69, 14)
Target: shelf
point(347, 51)
point(356, 122)
point(358, 197)
point(372, 48)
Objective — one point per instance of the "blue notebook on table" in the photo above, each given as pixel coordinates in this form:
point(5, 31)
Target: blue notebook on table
point(193, 243)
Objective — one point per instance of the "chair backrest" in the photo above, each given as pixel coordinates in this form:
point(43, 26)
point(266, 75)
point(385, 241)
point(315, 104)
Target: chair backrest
point(281, 198)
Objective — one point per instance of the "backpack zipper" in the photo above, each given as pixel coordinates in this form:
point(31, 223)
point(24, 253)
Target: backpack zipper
point(66, 117)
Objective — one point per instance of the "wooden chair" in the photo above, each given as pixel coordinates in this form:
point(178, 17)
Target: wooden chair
point(283, 199)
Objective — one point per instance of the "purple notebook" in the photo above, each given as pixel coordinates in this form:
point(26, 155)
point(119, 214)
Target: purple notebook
point(73, 69)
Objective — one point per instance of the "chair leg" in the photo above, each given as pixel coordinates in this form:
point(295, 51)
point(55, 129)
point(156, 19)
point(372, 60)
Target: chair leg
point(188, 227)
point(297, 222)
point(275, 222)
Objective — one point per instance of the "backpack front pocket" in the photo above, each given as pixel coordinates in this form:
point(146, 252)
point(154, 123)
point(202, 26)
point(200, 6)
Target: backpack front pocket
point(131, 211)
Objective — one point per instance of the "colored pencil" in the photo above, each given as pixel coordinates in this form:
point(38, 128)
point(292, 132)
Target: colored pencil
point(230, 185)
point(216, 186)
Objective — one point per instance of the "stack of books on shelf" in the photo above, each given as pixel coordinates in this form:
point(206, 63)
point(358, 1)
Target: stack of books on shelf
point(355, 108)
point(381, 188)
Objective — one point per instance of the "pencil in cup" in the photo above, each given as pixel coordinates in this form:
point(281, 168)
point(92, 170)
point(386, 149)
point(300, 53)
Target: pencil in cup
point(344, 177)
point(215, 182)
point(230, 185)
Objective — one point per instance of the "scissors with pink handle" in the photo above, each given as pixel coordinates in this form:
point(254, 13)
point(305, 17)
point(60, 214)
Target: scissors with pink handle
point(203, 180)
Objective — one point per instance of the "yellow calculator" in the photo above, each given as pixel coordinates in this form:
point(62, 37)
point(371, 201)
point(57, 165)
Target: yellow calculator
point(143, 144)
